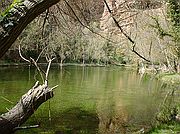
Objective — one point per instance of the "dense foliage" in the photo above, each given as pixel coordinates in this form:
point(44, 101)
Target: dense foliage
point(174, 16)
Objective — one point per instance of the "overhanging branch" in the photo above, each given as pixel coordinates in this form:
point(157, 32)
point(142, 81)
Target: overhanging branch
point(90, 29)
point(125, 34)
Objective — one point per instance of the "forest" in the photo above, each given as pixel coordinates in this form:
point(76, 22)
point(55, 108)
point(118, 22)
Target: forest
point(99, 67)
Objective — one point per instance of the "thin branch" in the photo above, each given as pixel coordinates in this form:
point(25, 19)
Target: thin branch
point(41, 71)
point(63, 17)
point(46, 17)
point(7, 100)
point(41, 53)
point(22, 56)
point(126, 35)
point(54, 87)
point(49, 65)
point(26, 127)
point(36, 65)
point(125, 18)
point(117, 24)
point(85, 25)
point(68, 26)
point(142, 57)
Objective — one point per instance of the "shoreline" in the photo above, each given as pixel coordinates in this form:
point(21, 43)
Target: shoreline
point(68, 64)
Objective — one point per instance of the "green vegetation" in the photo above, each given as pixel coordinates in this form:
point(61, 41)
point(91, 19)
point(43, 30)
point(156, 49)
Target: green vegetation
point(6, 12)
point(174, 16)
point(171, 128)
point(166, 121)
point(173, 32)
point(169, 78)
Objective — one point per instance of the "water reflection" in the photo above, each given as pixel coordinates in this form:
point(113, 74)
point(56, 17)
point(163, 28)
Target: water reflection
point(75, 120)
point(113, 121)
point(104, 100)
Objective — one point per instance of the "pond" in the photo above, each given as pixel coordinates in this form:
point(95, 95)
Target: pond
point(89, 100)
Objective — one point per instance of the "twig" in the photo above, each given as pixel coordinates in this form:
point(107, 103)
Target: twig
point(49, 65)
point(41, 53)
point(49, 111)
point(34, 62)
point(86, 25)
point(117, 24)
point(38, 68)
point(46, 17)
point(22, 56)
point(7, 100)
point(7, 109)
point(142, 57)
point(26, 127)
point(54, 87)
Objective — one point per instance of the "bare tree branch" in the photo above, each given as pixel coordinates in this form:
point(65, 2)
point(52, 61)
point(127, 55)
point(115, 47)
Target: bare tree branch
point(22, 56)
point(44, 22)
point(125, 34)
point(41, 71)
point(49, 64)
point(85, 25)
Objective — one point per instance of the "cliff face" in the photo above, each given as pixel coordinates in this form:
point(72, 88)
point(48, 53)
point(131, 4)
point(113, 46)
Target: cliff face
point(126, 11)
point(120, 9)
point(136, 18)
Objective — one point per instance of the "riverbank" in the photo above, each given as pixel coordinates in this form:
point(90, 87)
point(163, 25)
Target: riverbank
point(172, 128)
point(168, 119)
point(169, 78)
point(68, 64)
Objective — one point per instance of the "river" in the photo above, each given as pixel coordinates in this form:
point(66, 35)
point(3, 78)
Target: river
point(89, 100)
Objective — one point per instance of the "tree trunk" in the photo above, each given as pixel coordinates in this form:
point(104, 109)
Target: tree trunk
point(26, 106)
point(17, 18)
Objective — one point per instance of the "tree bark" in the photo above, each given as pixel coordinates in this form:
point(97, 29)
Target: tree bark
point(17, 18)
point(26, 106)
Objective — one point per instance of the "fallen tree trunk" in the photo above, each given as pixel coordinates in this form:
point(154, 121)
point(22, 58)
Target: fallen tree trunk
point(26, 106)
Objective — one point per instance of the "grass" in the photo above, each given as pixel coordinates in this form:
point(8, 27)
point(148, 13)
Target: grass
point(169, 78)
point(172, 128)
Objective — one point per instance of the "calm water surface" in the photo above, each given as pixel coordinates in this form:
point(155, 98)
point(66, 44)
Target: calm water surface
point(89, 100)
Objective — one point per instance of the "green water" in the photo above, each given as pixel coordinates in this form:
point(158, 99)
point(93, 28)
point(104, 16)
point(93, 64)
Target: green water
point(89, 100)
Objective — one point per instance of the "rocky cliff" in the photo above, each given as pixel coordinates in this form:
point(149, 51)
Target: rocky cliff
point(136, 19)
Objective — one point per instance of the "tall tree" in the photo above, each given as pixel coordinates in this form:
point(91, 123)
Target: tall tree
point(14, 19)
